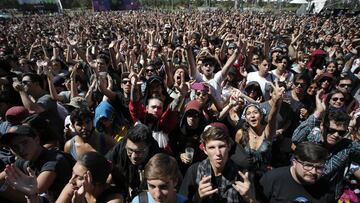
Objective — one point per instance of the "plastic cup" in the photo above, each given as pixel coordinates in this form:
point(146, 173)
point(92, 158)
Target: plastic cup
point(189, 152)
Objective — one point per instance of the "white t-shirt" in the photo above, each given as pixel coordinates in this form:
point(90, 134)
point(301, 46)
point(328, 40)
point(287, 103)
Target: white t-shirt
point(254, 76)
point(215, 83)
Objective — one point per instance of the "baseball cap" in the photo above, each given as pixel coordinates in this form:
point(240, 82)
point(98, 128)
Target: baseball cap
point(16, 114)
point(19, 130)
point(77, 102)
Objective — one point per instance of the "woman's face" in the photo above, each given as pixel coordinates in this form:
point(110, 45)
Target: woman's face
point(202, 96)
point(311, 90)
point(331, 68)
point(337, 100)
point(253, 116)
point(78, 176)
point(325, 84)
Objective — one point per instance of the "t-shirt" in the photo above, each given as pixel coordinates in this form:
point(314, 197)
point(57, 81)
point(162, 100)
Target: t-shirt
point(179, 199)
point(263, 82)
point(51, 113)
point(50, 160)
point(279, 186)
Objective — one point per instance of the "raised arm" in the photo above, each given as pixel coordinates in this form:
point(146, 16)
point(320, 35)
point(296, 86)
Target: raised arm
point(275, 102)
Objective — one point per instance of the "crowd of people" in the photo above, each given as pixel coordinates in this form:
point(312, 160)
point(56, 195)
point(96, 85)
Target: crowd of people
point(152, 106)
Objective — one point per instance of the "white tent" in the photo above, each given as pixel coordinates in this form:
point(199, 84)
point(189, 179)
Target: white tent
point(317, 6)
point(298, 2)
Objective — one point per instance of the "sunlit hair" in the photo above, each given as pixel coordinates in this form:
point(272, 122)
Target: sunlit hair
point(162, 166)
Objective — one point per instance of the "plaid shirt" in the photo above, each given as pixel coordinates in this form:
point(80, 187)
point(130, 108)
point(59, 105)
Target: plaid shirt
point(340, 156)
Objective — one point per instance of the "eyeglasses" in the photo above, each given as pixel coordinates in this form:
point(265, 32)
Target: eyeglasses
point(125, 82)
point(130, 151)
point(25, 82)
point(255, 59)
point(345, 85)
point(341, 133)
point(335, 99)
point(310, 166)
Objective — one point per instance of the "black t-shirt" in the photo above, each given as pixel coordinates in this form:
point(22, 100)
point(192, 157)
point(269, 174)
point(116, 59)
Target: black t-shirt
point(50, 160)
point(279, 186)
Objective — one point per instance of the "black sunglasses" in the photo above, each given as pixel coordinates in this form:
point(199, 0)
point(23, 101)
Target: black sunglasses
point(335, 99)
point(341, 133)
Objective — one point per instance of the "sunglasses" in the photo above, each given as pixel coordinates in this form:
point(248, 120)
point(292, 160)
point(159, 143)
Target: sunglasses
point(150, 70)
point(25, 82)
point(125, 82)
point(341, 133)
point(345, 85)
point(299, 83)
point(335, 99)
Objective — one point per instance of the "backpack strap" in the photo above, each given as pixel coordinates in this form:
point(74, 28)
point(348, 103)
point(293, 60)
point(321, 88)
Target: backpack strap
point(143, 197)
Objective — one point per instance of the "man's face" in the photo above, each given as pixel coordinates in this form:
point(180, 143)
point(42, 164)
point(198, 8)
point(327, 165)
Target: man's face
point(264, 67)
point(83, 128)
point(345, 86)
point(218, 153)
point(306, 172)
point(126, 85)
point(155, 107)
point(335, 133)
point(101, 65)
point(163, 191)
point(28, 84)
point(207, 68)
point(24, 147)
point(137, 152)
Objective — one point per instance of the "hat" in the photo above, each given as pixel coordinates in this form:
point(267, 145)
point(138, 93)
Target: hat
point(198, 86)
point(276, 49)
point(58, 80)
point(232, 45)
point(323, 76)
point(20, 130)
point(16, 114)
point(78, 102)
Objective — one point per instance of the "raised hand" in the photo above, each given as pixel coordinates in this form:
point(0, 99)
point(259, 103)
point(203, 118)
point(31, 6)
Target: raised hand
point(20, 181)
point(205, 187)
point(243, 187)
point(320, 104)
point(278, 91)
